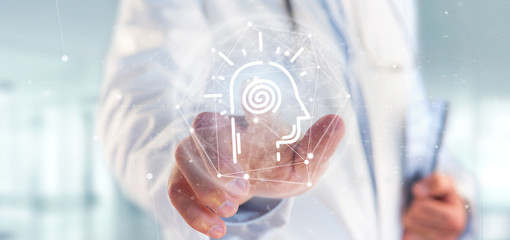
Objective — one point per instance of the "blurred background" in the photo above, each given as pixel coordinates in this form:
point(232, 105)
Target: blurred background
point(55, 185)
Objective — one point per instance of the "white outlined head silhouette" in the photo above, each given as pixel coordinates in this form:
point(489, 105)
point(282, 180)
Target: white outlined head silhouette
point(266, 55)
point(261, 96)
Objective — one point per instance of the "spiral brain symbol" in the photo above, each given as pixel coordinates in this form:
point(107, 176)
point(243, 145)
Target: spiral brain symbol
point(261, 96)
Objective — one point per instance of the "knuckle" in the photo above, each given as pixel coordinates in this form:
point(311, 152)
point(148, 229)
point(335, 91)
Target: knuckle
point(209, 195)
point(179, 151)
point(433, 182)
point(456, 225)
point(173, 195)
point(174, 192)
point(203, 119)
point(407, 219)
point(182, 151)
point(450, 222)
point(208, 121)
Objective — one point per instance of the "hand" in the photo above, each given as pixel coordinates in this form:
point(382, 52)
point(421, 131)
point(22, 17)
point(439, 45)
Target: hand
point(201, 195)
point(437, 211)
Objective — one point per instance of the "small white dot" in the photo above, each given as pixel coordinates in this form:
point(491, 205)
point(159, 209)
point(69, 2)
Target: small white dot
point(177, 106)
point(246, 176)
point(287, 53)
point(213, 49)
point(466, 206)
point(318, 66)
point(310, 99)
point(192, 198)
point(309, 155)
point(179, 190)
point(191, 130)
point(95, 138)
point(348, 96)
point(190, 161)
point(249, 24)
point(119, 96)
point(149, 176)
point(255, 120)
point(445, 12)
point(219, 175)
point(65, 58)
point(307, 162)
point(309, 35)
point(213, 77)
point(309, 184)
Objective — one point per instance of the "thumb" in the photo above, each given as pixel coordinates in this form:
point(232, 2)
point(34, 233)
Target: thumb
point(436, 186)
point(319, 144)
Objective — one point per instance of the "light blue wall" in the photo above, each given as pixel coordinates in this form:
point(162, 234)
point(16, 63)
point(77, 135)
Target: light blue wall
point(54, 184)
point(465, 57)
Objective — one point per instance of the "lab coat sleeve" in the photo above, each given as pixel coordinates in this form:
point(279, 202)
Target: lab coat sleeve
point(138, 124)
point(259, 218)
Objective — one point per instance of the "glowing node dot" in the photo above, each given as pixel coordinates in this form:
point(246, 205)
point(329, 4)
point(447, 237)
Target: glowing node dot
point(191, 130)
point(309, 155)
point(445, 12)
point(307, 162)
point(213, 77)
point(309, 184)
point(318, 66)
point(466, 206)
point(119, 96)
point(309, 35)
point(192, 198)
point(348, 96)
point(255, 120)
point(287, 53)
point(65, 58)
point(213, 49)
point(246, 176)
point(177, 106)
point(219, 175)
point(249, 24)
point(179, 190)
point(149, 176)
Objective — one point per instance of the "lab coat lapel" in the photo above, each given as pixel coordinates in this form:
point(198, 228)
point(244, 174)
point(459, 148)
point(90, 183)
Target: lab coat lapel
point(383, 62)
point(347, 188)
point(385, 105)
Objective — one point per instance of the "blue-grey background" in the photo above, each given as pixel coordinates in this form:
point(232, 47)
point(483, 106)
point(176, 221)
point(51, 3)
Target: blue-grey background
point(54, 184)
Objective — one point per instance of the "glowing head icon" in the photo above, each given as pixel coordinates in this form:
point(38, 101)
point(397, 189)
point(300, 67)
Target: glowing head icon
point(270, 91)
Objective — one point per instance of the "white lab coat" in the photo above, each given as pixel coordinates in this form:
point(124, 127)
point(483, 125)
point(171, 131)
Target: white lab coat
point(152, 43)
